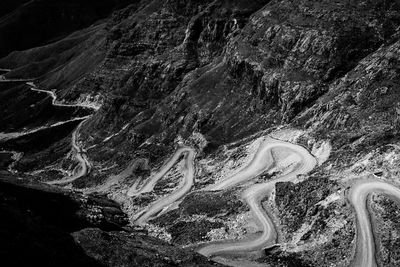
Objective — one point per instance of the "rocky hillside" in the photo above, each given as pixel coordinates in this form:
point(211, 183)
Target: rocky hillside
point(224, 69)
point(213, 76)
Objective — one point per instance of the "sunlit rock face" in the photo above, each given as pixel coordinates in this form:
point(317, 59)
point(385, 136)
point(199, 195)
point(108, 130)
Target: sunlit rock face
point(126, 84)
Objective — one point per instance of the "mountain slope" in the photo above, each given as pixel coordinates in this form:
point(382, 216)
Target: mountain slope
point(26, 24)
point(218, 77)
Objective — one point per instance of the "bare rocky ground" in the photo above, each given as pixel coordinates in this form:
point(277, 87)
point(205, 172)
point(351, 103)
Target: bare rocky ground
point(215, 76)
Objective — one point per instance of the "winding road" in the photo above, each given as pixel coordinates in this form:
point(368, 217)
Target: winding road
point(183, 188)
point(84, 166)
point(365, 250)
point(148, 187)
point(297, 161)
point(13, 135)
point(80, 156)
point(261, 162)
point(55, 102)
point(294, 161)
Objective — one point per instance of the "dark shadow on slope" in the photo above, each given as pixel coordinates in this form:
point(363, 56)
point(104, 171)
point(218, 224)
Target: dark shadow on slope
point(39, 22)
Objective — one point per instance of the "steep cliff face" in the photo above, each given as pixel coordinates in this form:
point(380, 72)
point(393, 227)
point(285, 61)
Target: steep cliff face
point(214, 76)
point(294, 49)
point(360, 111)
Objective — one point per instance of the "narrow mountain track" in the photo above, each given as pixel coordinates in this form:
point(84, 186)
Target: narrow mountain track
point(300, 161)
point(358, 195)
point(149, 185)
point(14, 135)
point(80, 156)
point(297, 160)
point(184, 187)
point(84, 166)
